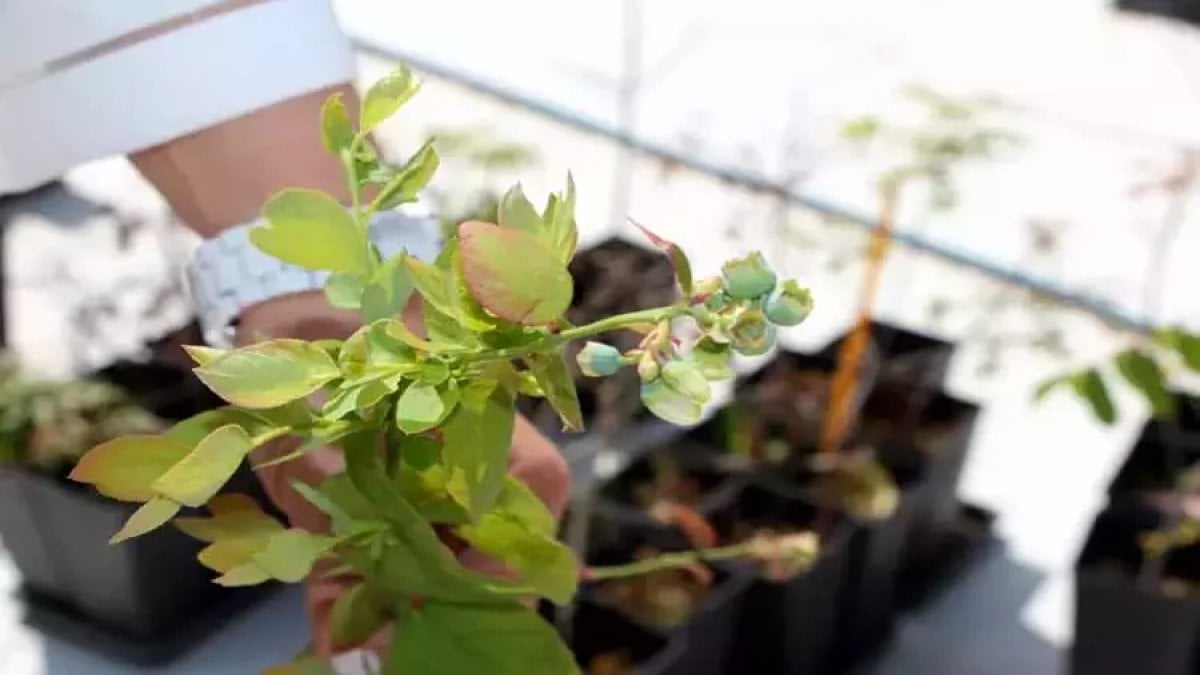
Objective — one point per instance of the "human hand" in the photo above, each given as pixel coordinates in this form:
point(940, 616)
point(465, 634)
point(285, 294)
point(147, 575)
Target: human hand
point(533, 459)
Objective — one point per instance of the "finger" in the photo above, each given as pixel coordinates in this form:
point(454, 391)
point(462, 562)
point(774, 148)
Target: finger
point(537, 462)
point(312, 469)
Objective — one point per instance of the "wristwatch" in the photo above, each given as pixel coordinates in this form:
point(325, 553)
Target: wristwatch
point(227, 274)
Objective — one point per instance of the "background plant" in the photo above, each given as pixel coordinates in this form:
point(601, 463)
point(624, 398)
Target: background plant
point(423, 415)
point(48, 425)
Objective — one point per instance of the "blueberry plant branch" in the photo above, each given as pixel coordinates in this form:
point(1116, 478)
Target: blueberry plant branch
point(424, 414)
point(792, 552)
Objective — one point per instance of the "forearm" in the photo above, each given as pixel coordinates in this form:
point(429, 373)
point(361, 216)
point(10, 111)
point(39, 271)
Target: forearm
point(221, 176)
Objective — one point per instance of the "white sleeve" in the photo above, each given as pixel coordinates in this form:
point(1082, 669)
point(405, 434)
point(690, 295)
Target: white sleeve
point(83, 100)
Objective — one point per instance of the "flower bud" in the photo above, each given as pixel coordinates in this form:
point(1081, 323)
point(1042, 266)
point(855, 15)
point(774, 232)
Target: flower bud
point(647, 367)
point(685, 377)
point(751, 333)
point(789, 305)
point(748, 278)
point(597, 359)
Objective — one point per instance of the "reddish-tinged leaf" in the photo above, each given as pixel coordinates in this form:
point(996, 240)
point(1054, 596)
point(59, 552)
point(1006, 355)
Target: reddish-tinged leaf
point(679, 260)
point(511, 274)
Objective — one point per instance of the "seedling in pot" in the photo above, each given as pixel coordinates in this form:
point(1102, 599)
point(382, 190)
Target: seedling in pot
point(929, 153)
point(423, 414)
point(48, 425)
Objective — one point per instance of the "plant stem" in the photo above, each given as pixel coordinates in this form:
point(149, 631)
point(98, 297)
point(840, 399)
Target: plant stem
point(669, 561)
point(595, 328)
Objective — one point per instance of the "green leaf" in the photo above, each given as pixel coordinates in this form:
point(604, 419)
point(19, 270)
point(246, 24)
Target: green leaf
point(433, 284)
point(336, 130)
point(475, 392)
point(1090, 386)
point(446, 639)
point(520, 532)
point(409, 180)
point(357, 615)
point(149, 516)
point(418, 563)
point(558, 386)
point(423, 480)
point(386, 96)
point(476, 452)
point(290, 555)
point(125, 468)
point(1141, 371)
point(679, 259)
point(202, 355)
point(419, 408)
point(516, 213)
point(269, 374)
point(309, 229)
point(559, 219)
point(523, 504)
point(448, 331)
point(1048, 385)
point(388, 291)
point(198, 476)
point(1186, 344)
point(398, 331)
point(248, 574)
point(344, 291)
point(420, 452)
point(512, 275)
point(233, 516)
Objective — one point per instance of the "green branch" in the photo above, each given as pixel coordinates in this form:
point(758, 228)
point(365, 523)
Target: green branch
point(668, 561)
point(579, 332)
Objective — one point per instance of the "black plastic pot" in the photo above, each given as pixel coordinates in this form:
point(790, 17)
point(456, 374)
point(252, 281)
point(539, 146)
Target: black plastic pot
point(1163, 449)
point(710, 633)
point(142, 601)
point(696, 462)
point(789, 627)
point(932, 444)
point(1123, 625)
point(598, 632)
point(900, 355)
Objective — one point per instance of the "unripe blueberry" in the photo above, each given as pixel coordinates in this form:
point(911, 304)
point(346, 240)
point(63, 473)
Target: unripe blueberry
point(751, 332)
point(789, 305)
point(748, 278)
point(597, 359)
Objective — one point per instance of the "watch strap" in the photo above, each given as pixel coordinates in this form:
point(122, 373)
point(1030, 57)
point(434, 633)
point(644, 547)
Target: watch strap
point(228, 273)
